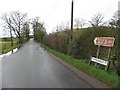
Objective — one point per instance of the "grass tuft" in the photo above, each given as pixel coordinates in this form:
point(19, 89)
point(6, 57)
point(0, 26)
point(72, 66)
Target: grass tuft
point(106, 77)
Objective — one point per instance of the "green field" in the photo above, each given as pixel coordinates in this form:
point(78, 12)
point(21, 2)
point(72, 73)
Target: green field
point(5, 46)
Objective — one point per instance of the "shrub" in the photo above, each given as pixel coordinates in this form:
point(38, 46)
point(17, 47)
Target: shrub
point(82, 45)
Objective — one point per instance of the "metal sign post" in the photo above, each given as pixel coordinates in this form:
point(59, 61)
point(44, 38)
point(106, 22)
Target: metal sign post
point(98, 53)
point(107, 67)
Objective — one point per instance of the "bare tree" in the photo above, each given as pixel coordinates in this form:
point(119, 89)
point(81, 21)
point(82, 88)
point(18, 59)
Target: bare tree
point(115, 22)
point(38, 29)
point(15, 21)
point(63, 26)
point(67, 25)
point(112, 23)
point(18, 20)
point(116, 15)
point(26, 30)
point(7, 26)
point(97, 20)
point(79, 22)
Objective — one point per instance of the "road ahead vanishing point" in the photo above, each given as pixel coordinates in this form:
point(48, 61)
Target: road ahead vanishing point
point(33, 67)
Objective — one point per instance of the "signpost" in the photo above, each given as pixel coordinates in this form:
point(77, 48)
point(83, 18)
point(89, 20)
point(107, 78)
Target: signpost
point(100, 61)
point(103, 41)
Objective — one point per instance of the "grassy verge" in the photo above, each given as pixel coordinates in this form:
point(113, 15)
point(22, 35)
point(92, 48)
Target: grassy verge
point(106, 77)
point(10, 48)
point(5, 46)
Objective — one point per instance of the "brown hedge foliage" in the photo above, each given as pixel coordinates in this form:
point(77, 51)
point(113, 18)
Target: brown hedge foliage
point(58, 41)
point(82, 45)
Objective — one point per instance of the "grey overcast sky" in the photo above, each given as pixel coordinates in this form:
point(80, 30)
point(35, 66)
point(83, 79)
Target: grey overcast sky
point(53, 12)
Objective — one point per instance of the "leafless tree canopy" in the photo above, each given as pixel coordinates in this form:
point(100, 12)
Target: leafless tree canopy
point(16, 20)
point(116, 15)
point(6, 20)
point(115, 21)
point(97, 20)
point(79, 22)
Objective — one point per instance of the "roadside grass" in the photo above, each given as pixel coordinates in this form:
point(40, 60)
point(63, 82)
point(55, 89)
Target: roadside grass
point(10, 48)
point(5, 46)
point(106, 77)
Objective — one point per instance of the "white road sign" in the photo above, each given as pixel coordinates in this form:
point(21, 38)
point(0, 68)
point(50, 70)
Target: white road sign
point(100, 61)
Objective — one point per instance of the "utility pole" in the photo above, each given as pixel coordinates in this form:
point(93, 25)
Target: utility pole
point(71, 32)
point(72, 5)
point(11, 33)
point(119, 10)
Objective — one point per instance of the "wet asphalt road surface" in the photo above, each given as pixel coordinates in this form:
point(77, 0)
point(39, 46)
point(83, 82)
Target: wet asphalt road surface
point(33, 67)
point(0, 74)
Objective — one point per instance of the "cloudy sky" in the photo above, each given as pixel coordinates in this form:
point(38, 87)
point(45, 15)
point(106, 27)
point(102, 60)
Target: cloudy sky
point(53, 12)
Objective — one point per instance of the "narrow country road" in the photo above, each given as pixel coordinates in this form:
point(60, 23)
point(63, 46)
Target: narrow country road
point(33, 67)
point(0, 74)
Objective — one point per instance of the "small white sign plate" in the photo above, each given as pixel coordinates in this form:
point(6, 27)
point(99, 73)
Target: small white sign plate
point(100, 61)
